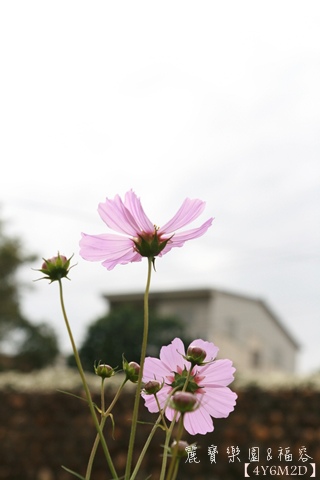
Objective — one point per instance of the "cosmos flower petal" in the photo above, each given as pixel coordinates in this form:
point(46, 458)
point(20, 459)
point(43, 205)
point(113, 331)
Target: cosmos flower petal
point(133, 203)
point(172, 355)
point(150, 403)
point(113, 249)
point(189, 211)
point(117, 217)
point(121, 260)
point(98, 247)
point(154, 369)
point(170, 413)
point(179, 239)
point(198, 421)
point(219, 372)
point(218, 401)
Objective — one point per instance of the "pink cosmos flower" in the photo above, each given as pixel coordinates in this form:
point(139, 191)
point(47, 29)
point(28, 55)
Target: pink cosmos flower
point(139, 236)
point(208, 383)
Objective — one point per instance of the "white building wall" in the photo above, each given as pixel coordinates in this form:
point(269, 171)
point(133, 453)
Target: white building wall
point(247, 333)
point(194, 312)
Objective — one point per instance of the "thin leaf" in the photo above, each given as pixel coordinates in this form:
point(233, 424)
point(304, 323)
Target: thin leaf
point(72, 395)
point(151, 424)
point(79, 398)
point(73, 473)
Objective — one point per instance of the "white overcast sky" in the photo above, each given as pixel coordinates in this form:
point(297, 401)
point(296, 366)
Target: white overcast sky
point(214, 100)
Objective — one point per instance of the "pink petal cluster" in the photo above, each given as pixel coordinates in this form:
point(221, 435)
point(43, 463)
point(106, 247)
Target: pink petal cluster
point(130, 221)
point(214, 398)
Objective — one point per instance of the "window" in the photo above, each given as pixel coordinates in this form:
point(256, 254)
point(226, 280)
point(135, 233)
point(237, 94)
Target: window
point(256, 359)
point(232, 329)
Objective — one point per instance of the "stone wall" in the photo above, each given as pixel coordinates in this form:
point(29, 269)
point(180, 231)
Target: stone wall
point(39, 432)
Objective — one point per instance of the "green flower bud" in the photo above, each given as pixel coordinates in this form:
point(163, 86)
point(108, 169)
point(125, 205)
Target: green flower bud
point(179, 447)
point(104, 371)
point(131, 370)
point(55, 268)
point(152, 387)
point(196, 355)
point(184, 402)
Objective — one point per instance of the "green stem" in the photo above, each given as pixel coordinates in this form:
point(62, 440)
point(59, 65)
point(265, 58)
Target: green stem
point(166, 447)
point(169, 434)
point(102, 402)
point(104, 416)
point(139, 383)
point(86, 388)
point(173, 470)
point(159, 420)
point(146, 445)
point(94, 450)
point(112, 404)
point(162, 413)
point(176, 468)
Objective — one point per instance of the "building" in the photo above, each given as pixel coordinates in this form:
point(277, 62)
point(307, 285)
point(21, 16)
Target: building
point(244, 328)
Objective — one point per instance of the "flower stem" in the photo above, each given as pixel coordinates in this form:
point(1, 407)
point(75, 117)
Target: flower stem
point(166, 447)
point(168, 437)
point(139, 383)
point(94, 449)
point(104, 416)
point(176, 469)
point(173, 468)
point(146, 445)
point(86, 388)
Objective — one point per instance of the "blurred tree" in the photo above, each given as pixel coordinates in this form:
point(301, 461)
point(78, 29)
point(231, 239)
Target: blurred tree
point(38, 346)
point(120, 332)
point(22, 344)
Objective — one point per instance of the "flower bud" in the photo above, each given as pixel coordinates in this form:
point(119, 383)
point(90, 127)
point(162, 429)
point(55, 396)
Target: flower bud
point(131, 370)
point(56, 268)
point(152, 387)
point(179, 447)
point(104, 371)
point(196, 355)
point(184, 401)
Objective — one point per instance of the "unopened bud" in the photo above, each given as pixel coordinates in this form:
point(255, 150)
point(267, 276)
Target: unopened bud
point(184, 401)
point(104, 371)
point(179, 447)
point(196, 355)
point(131, 370)
point(152, 387)
point(56, 268)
